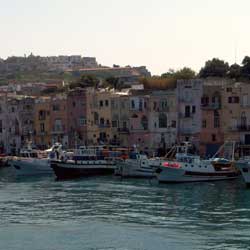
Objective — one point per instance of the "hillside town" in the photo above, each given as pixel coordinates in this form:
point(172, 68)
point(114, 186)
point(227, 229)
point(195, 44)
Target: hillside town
point(204, 111)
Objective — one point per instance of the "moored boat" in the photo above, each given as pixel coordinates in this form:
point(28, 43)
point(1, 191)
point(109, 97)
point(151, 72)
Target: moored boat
point(136, 166)
point(86, 161)
point(244, 166)
point(34, 162)
point(191, 168)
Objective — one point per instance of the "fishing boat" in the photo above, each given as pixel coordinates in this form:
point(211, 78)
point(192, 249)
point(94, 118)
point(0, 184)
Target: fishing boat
point(32, 162)
point(187, 167)
point(86, 161)
point(136, 166)
point(244, 166)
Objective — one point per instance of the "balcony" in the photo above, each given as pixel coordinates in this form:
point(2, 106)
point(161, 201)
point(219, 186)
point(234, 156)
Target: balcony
point(123, 130)
point(186, 116)
point(243, 128)
point(104, 125)
point(186, 131)
point(57, 132)
point(211, 106)
point(42, 117)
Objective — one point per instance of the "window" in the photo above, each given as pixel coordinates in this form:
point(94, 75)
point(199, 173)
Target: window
point(233, 99)
point(102, 121)
point(163, 122)
point(42, 127)
point(112, 104)
point(205, 100)
point(243, 120)
point(144, 122)
point(1, 126)
point(155, 106)
point(213, 137)
point(56, 107)
point(132, 104)
point(245, 100)
point(229, 89)
point(173, 125)
point(140, 105)
point(216, 119)
point(73, 104)
point(106, 103)
point(96, 118)
point(187, 111)
point(42, 115)
point(101, 103)
point(82, 121)
point(114, 124)
point(58, 125)
point(124, 125)
point(193, 109)
point(204, 123)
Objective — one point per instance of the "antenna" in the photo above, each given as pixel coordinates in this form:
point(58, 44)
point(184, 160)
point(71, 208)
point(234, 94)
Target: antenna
point(235, 51)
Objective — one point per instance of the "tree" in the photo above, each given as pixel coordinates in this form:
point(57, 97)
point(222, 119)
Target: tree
point(246, 67)
point(89, 81)
point(184, 73)
point(214, 68)
point(169, 74)
point(85, 81)
point(234, 71)
point(112, 81)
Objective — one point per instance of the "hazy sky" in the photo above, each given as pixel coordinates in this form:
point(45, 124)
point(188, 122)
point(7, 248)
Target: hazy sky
point(160, 34)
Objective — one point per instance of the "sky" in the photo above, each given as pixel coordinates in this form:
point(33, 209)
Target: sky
point(159, 34)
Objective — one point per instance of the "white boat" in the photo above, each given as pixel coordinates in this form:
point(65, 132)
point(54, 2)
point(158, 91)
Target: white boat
point(191, 168)
point(137, 167)
point(34, 162)
point(244, 166)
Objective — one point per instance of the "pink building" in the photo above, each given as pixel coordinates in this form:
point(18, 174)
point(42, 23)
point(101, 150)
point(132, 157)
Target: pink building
point(77, 117)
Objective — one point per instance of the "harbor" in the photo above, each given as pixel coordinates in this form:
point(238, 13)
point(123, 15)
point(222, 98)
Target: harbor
point(122, 202)
point(113, 213)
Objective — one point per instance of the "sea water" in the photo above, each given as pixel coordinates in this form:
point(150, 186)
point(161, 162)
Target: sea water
point(108, 213)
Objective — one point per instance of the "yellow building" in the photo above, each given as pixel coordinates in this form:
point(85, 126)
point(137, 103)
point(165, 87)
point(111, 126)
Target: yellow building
point(42, 122)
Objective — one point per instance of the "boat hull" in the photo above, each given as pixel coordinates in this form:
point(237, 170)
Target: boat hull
point(172, 175)
point(244, 167)
point(64, 170)
point(130, 170)
point(31, 167)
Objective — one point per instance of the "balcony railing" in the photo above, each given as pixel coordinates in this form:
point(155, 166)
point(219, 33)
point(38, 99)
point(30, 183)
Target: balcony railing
point(104, 125)
point(123, 130)
point(212, 106)
point(243, 128)
point(186, 116)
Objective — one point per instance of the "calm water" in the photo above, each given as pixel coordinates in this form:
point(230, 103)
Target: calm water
point(110, 213)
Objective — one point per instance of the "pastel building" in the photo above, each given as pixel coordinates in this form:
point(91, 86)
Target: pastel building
point(42, 110)
point(99, 117)
point(212, 136)
point(59, 120)
point(163, 120)
point(77, 117)
point(189, 93)
point(236, 112)
point(16, 122)
point(120, 114)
